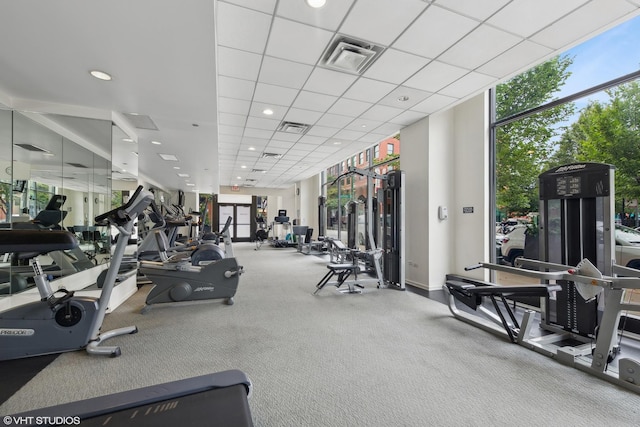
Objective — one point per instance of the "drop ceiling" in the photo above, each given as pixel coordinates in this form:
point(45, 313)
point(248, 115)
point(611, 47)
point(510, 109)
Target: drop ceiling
point(202, 72)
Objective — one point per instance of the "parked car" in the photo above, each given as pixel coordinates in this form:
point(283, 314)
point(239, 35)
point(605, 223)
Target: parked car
point(627, 250)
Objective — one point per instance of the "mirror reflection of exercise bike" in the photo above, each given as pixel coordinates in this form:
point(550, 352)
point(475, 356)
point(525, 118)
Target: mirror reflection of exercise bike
point(56, 324)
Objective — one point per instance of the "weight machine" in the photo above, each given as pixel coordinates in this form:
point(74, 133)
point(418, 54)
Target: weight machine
point(581, 288)
point(386, 262)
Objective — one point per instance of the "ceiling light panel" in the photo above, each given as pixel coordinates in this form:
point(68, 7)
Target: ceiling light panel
point(328, 17)
point(440, 27)
point(380, 21)
point(297, 42)
point(241, 28)
point(524, 17)
point(238, 63)
point(386, 67)
point(284, 73)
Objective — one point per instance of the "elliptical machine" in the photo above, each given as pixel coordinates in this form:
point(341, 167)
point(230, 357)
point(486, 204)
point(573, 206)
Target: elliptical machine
point(178, 278)
point(57, 324)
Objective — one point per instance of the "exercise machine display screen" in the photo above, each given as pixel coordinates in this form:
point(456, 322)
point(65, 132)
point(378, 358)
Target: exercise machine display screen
point(568, 185)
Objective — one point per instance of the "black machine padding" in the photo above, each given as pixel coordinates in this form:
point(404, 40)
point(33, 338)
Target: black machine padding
point(40, 241)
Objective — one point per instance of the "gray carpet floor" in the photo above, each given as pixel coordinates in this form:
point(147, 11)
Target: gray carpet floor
point(382, 358)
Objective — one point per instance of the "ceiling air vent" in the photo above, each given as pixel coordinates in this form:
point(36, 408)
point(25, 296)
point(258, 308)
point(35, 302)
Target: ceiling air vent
point(30, 147)
point(272, 155)
point(291, 127)
point(259, 170)
point(78, 165)
point(349, 54)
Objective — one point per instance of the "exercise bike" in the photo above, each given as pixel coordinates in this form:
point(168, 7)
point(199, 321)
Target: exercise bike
point(57, 324)
point(177, 279)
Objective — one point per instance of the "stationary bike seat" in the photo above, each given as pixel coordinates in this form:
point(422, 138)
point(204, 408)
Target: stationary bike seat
point(40, 241)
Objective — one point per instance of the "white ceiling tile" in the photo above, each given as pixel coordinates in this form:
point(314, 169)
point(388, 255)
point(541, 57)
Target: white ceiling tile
point(349, 135)
point(230, 87)
point(322, 131)
point(434, 31)
point(372, 138)
point(368, 90)
point(434, 103)
point(257, 109)
point(274, 143)
point(297, 42)
point(387, 129)
point(262, 123)
point(284, 73)
point(248, 141)
point(349, 107)
point(363, 125)
point(334, 120)
point(266, 6)
point(482, 45)
point(299, 115)
point(435, 76)
point(242, 28)
point(302, 148)
point(397, 97)
point(229, 139)
point(233, 106)
point(329, 16)
point(258, 133)
point(382, 113)
point(329, 82)
point(589, 18)
point(478, 9)
point(312, 140)
point(380, 21)
point(470, 84)
point(230, 130)
point(326, 149)
point(525, 17)
point(284, 136)
point(515, 59)
point(232, 119)
point(237, 63)
point(275, 95)
point(314, 101)
point(394, 66)
point(407, 118)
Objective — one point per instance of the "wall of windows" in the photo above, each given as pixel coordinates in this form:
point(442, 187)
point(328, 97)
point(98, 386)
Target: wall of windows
point(582, 106)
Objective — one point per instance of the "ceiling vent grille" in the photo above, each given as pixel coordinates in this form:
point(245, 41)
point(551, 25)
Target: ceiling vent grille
point(292, 127)
point(259, 170)
point(271, 155)
point(30, 147)
point(78, 165)
point(349, 54)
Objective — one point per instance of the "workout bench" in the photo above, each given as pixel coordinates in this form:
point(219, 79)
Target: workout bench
point(343, 271)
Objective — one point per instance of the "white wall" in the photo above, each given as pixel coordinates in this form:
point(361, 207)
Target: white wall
point(307, 202)
point(445, 159)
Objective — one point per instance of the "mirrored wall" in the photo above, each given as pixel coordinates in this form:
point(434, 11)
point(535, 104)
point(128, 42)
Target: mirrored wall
point(58, 172)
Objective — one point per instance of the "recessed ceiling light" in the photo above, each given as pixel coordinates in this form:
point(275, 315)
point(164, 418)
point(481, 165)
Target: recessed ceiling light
point(337, 142)
point(183, 175)
point(239, 177)
point(252, 148)
point(156, 142)
point(267, 111)
point(176, 167)
point(100, 75)
point(127, 140)
point(316, 4)
point(243, 166)
point(403, 98)
point(189, 184)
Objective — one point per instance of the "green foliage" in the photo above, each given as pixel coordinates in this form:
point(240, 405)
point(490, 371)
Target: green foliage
point(524, 146)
